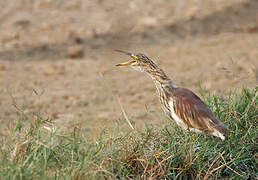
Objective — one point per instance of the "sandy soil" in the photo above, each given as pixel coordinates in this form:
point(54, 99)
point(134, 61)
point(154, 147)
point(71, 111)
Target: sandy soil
point(57, 56)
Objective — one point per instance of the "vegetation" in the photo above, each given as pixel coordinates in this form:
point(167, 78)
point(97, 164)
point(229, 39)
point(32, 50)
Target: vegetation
point(40, 151)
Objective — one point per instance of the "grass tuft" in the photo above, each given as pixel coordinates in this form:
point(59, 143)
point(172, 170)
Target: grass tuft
point(40, 151)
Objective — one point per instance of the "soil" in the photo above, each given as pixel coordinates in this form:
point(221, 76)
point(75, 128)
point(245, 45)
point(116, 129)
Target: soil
point(57, 56)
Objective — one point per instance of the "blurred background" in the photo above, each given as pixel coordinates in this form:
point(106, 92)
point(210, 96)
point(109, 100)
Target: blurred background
point(57, 56)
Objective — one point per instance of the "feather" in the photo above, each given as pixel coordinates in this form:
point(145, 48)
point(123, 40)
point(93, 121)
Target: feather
point(194, 112)
point(182, 105)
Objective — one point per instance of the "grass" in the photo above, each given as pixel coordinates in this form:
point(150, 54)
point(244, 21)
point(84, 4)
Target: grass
point(35, 149)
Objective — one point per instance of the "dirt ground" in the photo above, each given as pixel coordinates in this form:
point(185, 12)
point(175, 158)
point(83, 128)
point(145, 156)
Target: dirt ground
point(57, 56)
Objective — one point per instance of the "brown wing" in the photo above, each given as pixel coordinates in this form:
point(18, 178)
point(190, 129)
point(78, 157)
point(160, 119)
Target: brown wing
point(194, 112)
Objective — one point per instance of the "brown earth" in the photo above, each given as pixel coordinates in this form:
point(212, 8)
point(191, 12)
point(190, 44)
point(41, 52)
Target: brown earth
point(57, 56)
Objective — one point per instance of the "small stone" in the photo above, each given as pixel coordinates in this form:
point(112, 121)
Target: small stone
point(252, 29)
point(75, 52)
point(22, 23)
point(2, 67)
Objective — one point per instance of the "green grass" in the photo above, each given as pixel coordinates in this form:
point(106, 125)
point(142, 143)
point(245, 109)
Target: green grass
point(40, 151)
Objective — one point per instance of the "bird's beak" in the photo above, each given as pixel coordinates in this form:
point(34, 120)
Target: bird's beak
point(126, 63)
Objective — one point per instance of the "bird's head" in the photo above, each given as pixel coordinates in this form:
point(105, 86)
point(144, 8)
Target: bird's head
point(139, 62)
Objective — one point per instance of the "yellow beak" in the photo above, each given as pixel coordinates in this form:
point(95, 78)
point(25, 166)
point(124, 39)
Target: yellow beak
point(126, 63)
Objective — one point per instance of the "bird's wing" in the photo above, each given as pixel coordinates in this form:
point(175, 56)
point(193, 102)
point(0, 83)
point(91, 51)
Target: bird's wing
point(194, 112)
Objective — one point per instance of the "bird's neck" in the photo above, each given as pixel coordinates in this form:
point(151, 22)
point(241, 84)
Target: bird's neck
point(164, 85)
point(161, 79)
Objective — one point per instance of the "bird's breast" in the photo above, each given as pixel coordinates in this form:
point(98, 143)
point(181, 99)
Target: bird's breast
point(175, 116)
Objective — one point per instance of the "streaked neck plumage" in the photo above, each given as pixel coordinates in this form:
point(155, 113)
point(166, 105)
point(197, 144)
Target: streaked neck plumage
point(160, 78)
point(163, 84)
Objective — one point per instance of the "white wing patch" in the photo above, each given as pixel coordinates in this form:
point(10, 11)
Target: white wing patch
point(184, 126)
point(174, 116)
point(195, 130)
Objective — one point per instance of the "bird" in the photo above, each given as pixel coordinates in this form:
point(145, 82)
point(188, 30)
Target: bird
point(180, 104)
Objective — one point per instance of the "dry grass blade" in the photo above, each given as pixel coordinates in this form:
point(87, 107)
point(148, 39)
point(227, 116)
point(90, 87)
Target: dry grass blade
point(14, 152)
point(124, 114)
point(215, 169)
point(119, 102)
point(160, 153)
